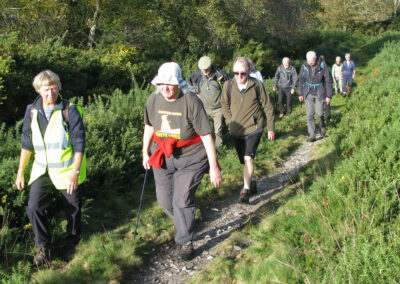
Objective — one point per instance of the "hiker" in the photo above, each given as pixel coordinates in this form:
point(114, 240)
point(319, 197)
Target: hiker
point(348, 74)
point(207, 82)
point(286, 79)
point(336, 75)
point(327, 107)
point(315, 88)
point(53, 130)
point(243, 98)
point(177, 132)
point(254, 73)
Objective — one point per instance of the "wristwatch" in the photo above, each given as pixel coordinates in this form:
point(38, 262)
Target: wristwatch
point(75, 171)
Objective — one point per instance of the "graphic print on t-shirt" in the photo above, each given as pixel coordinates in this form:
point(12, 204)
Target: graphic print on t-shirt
point(166, 130)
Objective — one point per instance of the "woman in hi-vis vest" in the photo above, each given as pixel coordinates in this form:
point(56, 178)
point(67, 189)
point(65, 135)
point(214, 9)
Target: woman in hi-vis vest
point(53, 130)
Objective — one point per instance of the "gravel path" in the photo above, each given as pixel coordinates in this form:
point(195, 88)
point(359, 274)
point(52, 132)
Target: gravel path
point(219, 222)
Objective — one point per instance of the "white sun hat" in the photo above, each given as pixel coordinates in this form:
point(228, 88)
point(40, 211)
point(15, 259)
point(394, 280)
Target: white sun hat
point(170, 73)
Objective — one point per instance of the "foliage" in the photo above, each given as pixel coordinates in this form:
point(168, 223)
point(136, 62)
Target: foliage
point(343, 225)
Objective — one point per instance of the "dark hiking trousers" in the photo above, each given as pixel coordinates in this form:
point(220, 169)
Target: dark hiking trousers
point(285, 92)
point(311, 101)
point(176, 184)
point(347, 79)
point(327, 110)
point(38, 203)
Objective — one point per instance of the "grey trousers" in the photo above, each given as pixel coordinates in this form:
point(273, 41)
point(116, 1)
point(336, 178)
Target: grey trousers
point(312, 100)
point(176, 184)
point(217, 116)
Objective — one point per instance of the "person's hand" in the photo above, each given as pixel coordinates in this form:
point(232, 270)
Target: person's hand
point(215, 176)
point(20, 182)
point(353, 76)
point(73, 183)
point(271, 135)
point(301, 99)
point(292, 91)
point(328, 100)
point(145, 162)
point(274, 88)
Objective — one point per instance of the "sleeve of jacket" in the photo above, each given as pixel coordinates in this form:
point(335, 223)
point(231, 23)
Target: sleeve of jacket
point(328, 82)
point(268, 108)
point(294, 78)
point(301, 83)
point(76, 130)
point(276, 77)
point(26, 131)
point(226, 111)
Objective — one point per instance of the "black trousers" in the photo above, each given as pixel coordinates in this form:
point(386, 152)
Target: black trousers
point(285, 92)
point(39, 198)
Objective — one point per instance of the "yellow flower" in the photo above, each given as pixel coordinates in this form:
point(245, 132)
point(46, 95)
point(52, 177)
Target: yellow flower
point(4, 199)
point(343, 177)
point(28, 226)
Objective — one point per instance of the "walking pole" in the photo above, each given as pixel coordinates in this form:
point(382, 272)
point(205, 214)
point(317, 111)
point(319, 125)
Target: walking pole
point(140, 205)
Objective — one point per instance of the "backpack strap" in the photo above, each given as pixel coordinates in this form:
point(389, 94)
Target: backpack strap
point(256, 86)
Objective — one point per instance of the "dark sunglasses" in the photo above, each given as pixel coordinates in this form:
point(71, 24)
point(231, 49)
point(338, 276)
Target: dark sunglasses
point(240, 74)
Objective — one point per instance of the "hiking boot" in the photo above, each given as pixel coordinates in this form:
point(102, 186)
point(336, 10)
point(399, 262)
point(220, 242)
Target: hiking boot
point(42, 256)
point(244, 196)
point(311, 138)
point(323, 131)
point(281, 115)
point(186, 251)
point(253, 187)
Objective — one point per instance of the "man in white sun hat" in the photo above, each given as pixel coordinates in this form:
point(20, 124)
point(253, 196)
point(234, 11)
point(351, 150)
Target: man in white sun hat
point(177, 133)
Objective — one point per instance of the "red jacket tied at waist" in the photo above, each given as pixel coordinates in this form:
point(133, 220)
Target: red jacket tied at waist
point(166, 147)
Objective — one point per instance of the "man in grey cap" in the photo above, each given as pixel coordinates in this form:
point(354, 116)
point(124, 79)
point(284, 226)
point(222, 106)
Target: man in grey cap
point(207, 82)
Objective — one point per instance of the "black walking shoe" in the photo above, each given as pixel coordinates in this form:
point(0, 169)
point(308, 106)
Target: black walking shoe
point(42, 256)
point(323, 131)
point(244, 196)
point(186, 251)
point(253, 186)
point(311, 138)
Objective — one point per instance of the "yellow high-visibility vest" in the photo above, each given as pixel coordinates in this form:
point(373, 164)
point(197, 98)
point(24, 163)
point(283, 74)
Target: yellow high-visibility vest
point(53, 152)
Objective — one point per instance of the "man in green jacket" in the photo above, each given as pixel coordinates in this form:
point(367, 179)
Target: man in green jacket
point(242, 101)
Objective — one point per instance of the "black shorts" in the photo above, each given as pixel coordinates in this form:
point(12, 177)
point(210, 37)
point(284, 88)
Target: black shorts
point(247, 145)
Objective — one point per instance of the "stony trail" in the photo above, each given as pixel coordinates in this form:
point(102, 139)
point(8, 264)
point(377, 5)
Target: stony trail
point(219, 221)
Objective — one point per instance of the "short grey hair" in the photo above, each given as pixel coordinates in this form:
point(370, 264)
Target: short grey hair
point(347, 55)
point(311, 55)
point(242, 60)
point(285, 58)
point(338, 58)
point(45, 78)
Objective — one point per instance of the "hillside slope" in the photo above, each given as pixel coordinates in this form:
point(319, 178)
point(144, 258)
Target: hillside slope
point(343, 224)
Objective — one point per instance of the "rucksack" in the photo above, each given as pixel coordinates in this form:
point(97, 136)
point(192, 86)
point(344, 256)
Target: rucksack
point(257, 87)
point(322, 65)
point(65, 113)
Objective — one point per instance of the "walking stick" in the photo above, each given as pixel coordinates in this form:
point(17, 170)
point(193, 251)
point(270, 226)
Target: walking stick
point(140, 206)
point(301, 107)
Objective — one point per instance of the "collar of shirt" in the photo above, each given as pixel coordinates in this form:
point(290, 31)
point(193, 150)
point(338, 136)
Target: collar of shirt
point(242, 87)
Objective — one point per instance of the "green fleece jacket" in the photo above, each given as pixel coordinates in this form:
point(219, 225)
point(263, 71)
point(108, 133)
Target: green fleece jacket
point(243, 112)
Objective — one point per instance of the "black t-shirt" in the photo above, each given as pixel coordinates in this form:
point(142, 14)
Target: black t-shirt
point(181, 119)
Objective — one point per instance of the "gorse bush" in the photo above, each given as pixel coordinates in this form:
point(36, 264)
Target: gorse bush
point(82, 72)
